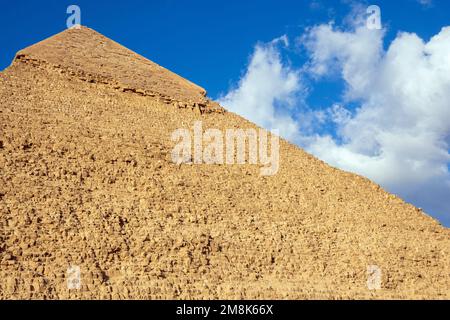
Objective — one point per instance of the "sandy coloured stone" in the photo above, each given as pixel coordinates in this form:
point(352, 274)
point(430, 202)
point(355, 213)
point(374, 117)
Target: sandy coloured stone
point(87, 179)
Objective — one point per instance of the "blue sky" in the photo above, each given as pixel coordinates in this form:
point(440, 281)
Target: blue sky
point(206, 41)
point(374, 127)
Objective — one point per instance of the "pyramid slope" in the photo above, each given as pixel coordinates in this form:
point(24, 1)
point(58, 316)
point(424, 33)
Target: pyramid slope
point(88, 180)
point(98, 56)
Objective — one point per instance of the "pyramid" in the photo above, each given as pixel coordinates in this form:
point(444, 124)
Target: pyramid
point(92, 57)
point(92, 205)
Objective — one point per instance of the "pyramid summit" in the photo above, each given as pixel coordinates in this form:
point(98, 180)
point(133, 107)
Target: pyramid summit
point(91, 55)
point(93, 207)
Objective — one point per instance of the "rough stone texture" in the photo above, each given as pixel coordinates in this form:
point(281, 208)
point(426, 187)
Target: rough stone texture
point(87, 179)
point(89, 55)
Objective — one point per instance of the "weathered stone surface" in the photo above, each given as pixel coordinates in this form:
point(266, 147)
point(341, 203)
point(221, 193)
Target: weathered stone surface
point(87, 179)
point(96, 55)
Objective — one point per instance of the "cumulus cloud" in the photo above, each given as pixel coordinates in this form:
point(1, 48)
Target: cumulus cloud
point(354, 54)
point(267, 90)
point(398, 136)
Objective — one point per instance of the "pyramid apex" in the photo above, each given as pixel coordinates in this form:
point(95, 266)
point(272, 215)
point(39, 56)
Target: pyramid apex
point(84, 50)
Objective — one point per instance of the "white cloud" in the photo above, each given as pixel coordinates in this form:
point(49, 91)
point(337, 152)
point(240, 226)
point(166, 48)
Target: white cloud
point(399, 135)
point(267, 90)
point(356, 52)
